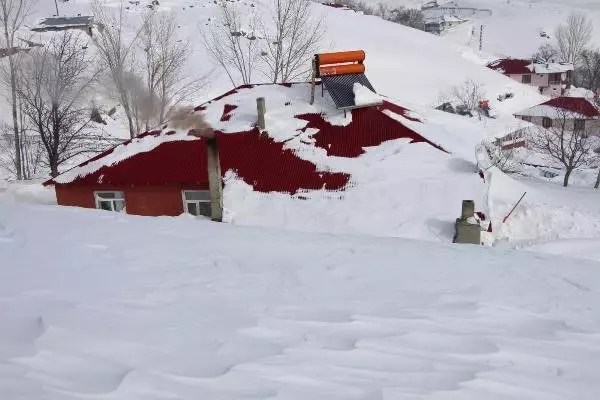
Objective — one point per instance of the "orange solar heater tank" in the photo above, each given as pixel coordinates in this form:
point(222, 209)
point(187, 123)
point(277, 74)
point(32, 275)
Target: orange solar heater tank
point(342, 57)
point(342, 69)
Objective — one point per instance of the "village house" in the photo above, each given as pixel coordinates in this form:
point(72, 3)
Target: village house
point(573, 114)
point(551, 79)
point(577, 113)
point(440, 24)
point(270, 136)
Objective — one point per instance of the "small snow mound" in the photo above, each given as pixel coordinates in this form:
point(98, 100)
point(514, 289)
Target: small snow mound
point(363, 96)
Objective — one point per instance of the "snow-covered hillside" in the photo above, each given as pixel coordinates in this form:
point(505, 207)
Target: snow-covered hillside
point(102, 305)
point(514, 27)
point(401, 62)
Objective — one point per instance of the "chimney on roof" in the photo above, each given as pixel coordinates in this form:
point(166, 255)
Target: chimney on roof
point(215, 184)
point(260, 106)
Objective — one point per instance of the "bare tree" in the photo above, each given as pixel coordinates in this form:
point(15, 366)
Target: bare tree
point(411, 17)
point(116, 52)
point(560, 142)
point(468, 95)
point(587, 73)
point(232, 47)
point(165, 57)
point(546, 53)
point(573, 36)
point(292, 36)
point(52, 85)
point(502, 158)
point(12, 15)
point(32, 152)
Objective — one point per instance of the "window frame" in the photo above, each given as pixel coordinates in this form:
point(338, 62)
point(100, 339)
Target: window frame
point(578, 124)
point(119, 197)
point(196, 202)
point(555, 78)
point(526, 79)
point(526, 118)
point(547, 122)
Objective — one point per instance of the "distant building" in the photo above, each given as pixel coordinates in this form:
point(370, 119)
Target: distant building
point(430, 4)
point(439, 25)
point(580, 114)
point(53, 24)
point(551, 79)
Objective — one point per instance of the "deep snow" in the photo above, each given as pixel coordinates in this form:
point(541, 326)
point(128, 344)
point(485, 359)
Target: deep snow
point(101, 305)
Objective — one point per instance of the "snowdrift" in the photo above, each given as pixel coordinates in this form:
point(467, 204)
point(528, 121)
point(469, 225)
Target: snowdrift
point(102, 305)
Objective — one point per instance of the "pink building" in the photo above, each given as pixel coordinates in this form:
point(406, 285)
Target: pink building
point(552, 79)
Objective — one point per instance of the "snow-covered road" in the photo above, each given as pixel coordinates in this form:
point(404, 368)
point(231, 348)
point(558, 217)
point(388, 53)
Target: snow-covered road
point(95, 305)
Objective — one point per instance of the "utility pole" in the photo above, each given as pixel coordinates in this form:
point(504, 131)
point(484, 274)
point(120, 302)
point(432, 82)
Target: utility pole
point(56, 5)
point(481, 37)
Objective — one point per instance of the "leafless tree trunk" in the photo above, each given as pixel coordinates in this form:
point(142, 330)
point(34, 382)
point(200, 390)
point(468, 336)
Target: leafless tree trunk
point(573, 149)
point(117, 55)
point(12, 16)
point(573, 36)
point(597, 184)
point(53, 83)
point(292, 36)
point(234, 49)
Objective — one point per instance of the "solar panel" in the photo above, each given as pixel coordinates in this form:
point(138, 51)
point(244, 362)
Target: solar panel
point(341, 88)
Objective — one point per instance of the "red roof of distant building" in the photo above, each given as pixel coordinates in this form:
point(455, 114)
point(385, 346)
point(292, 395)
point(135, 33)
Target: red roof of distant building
point(263, 161)
point(578, 105)
point(510, 66)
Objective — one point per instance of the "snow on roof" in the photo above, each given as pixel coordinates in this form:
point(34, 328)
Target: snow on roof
point(552, 68)
point(363, 96)
point(298, 137)
point(519, 66)
point(578, 107)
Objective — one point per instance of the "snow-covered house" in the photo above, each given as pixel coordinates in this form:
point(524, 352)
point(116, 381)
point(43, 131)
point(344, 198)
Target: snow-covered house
point(164, 172)
point(576, 112)
point(552, 79)
point(440, 24)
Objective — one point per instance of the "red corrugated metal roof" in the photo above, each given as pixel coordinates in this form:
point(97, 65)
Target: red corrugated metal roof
point(254, 156)
point(369, 127)
point(511, 66)
point(574, 104)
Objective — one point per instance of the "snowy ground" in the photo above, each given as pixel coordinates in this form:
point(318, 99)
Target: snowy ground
point(110, 306)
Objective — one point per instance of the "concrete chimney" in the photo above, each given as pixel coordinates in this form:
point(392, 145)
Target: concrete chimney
point(214, 179)
point(260, 106)
point(468, 209)
point(467, 230)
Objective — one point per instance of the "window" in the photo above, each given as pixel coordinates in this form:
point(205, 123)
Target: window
point(110, 201)
point(579, 124)
point(526, 78)
point(555, 79)
point(197, 202)
point(547, 122)
point(526, 118)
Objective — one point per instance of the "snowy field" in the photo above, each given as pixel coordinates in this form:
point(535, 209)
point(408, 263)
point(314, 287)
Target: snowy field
point(111, 306)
